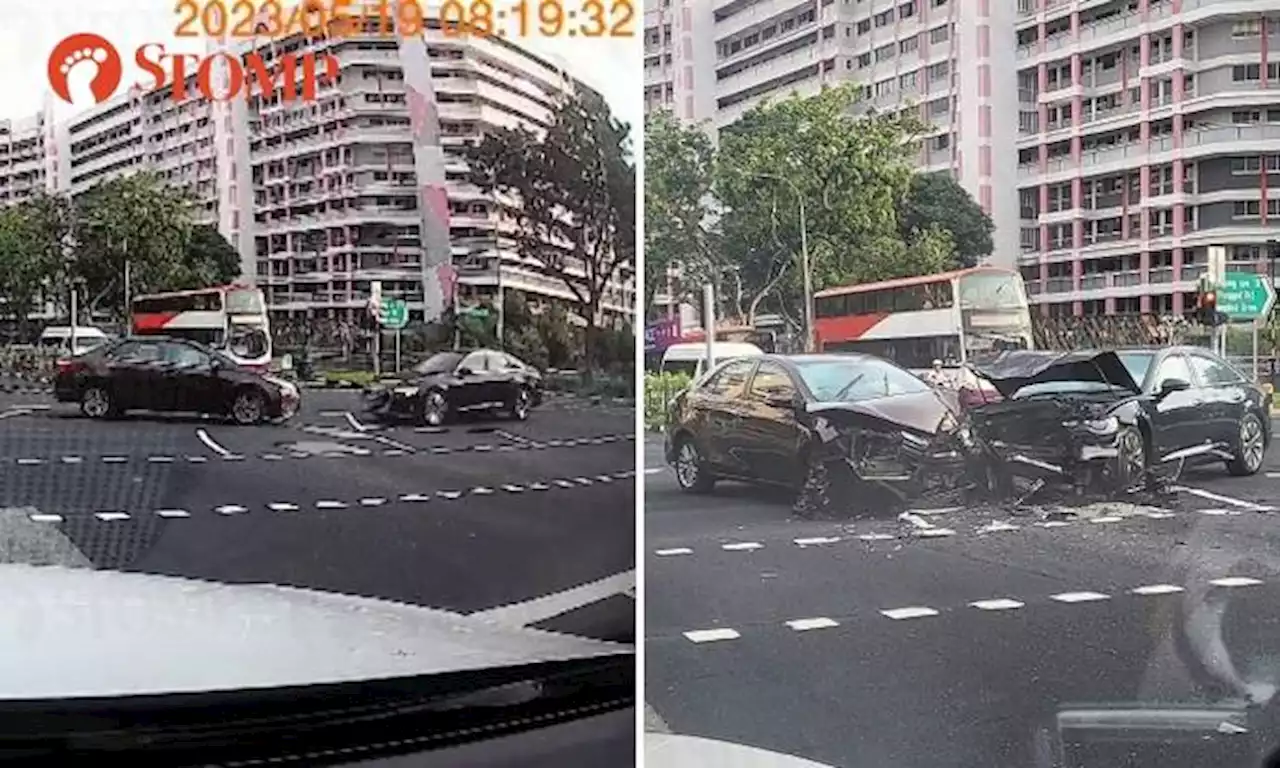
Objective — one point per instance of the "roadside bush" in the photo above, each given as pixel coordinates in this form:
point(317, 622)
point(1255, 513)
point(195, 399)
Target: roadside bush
point(659, 389)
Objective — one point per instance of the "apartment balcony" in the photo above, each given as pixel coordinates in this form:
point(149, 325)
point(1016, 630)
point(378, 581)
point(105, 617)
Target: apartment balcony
point(757, 15)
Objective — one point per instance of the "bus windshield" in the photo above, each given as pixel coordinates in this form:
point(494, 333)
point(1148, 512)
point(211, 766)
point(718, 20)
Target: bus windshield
point(994, 314)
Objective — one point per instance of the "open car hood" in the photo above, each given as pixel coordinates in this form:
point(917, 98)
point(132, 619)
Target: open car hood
point(1012, 371)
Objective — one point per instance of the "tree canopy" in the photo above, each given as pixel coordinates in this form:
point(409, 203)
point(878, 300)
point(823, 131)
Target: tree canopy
point(849, 171)
point(573, 198)
point(937, 199)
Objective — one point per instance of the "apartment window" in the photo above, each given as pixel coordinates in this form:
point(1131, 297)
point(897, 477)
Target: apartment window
point(864, 60)
point(1246, 116)
point(939, 71)
point(883, 19)
point(1060, 236)
point(939, 107)
point(1189, 177)
point(1245, 209)
point(883, 88)
point(1273, 208)
point(940, 34)
point(1243, 73)
point(1030, 239)
point(940, 143)
point(1246, 166)
point(1247, 28)
point(864, 26)
point(909, 45)
point(1162, 221)
point(907, 10)
point(884, 52)
point(907, 81)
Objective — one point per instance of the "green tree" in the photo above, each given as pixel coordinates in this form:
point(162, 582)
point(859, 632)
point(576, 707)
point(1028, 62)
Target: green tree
point(850, 170)
point(937, 199)
point(25, 267)
point(575, 193)
point(208, 259)
point(679, 223)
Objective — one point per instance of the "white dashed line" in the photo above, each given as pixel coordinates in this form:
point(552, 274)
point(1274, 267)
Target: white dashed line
point(1157, 589)
point(511, 488)
point(1079, 597)
point(1106, 519)
point(997, 604)
point(172, 513)
point(272, 457)
point(564, 483)
point(114, 459)
point(30, 462)
point(72, 460)
point(330, 504)
point(212, 444)
point(11, 414)
point(160, 459)
point(804, 625)
point(604, 478)
point(933, 533)
point(911, 612)
point(1235, 581)
point(197, 459)
point(415, 497)
point(481, 491)
point(817, 540)
point(449, 494)
point(1218, 512)
point(742, 546)
point(539, 487)
point(876, 536)
point(354, 422)
point(231, 509)
point(373, 502)
point(1054, 524)
point(1228, 500)
point(997, 526)
point(582, 480)
point(482, 448)
point(111, 517)
point(45, 518)
point(712, 635)
point(282, 506)
point(673, 551)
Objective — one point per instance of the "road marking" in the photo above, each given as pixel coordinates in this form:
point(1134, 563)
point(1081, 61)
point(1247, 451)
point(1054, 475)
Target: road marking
point(804, 625)
point(231, 509)
point(1211, 496)
point(996, 526)
point(30, 462)
point(373, 502)
point(915, 520)
point(415, 497)
point(673, 551)
point(997, 604)
point(172, 513)
point(539, 487)
point(160, 459)
point(330, 504)
point(582, 480)
point(1160, 515)
point(397, 445)
point(564, 483)
point(72, 460)
point(114, 459)
point(540, 609)
point(742, 546)
point(449, 494)
point(110, 517)
point(198, 459)
point(1157, 589)
point(654, 470)
point(354, 422)
point(876, 536)
point(1106, 519)
point(910, 612)
point(212, 444)
point(817, 540)
point(42, 517)
point(1053, 524)
point(1079, 597)
point(933, 533)
point(10, 414)
point(484, 448)
point(272, 457)
point(1235, 581)
point(480, 490)
point(282, 506)
point(712, 635)
point(1218, 512)
point(513, 437)
point(394, 452)
point(511, 488)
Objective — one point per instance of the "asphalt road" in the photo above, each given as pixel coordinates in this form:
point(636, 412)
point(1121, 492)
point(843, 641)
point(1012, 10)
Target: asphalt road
point(965, 637)
point(532, 521)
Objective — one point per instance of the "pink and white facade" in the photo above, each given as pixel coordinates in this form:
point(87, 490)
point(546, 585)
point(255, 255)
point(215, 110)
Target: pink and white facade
point(1149, 131)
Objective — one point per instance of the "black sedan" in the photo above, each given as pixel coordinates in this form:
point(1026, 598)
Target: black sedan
point(1118, 416)
point(790, 420)
point(450, 383)
point(171, 375)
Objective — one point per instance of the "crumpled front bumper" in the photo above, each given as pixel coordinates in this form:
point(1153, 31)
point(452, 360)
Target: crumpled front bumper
point(391, 403)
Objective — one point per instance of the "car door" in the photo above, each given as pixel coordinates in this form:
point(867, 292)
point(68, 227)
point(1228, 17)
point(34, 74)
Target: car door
point(1226, 395)
point(767, 439)
point(194, 384)
point(470, 381)
point(1177, 421)
point(724, 416)
point(135, 376)
point(502, 384)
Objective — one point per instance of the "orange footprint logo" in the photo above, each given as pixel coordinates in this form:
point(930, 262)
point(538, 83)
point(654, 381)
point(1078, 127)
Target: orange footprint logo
point(82, 47)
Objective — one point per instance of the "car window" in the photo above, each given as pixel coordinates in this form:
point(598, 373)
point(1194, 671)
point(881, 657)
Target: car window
point(772, 379)
point(1214, 372)
point(854, 379)
point(1173, 367)
point(475, 361)
point(442, 362)
point(136, 352)
point(728, 381)
point(183, 356)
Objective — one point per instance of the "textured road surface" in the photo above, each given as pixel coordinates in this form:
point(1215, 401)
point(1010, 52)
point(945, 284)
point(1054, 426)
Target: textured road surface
point(477, 516)
point(964, 637)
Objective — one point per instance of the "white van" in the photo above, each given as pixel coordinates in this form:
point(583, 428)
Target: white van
point(691, 359)
point(57, 338)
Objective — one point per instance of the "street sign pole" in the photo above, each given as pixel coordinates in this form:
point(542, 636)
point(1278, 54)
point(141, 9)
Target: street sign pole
point(398, 349)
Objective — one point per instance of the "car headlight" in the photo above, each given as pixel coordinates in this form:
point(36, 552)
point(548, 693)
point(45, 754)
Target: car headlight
point(1107, 426)
point(406, 391)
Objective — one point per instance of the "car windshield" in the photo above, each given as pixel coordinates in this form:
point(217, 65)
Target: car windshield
point(1137, 363)
point(854, 379)
point(442, 362)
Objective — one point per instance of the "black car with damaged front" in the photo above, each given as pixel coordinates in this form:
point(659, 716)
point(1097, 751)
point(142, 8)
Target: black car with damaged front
point(842, 430)
point(171, 375)
point(452, 383)
point(1117, 420)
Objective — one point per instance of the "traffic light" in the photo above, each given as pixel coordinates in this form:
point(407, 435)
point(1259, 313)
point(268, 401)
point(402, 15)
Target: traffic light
point(1207, 306)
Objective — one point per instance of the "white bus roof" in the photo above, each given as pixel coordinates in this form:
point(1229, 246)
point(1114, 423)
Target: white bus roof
point(64, 332)
point(698, 350)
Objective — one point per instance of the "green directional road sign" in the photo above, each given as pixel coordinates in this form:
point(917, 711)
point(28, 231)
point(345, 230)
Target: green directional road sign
point(1246, 296)
point(394, 314)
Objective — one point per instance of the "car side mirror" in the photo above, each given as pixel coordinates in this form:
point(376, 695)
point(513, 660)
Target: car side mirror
point(465, 372)
point(1169, 386)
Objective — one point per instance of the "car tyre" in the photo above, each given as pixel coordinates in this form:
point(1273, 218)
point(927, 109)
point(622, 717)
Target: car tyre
point(691, 471)
point(434, 409)
point(98, 403)
point(1129, 469)
point(248, 408)
point(1250, 449)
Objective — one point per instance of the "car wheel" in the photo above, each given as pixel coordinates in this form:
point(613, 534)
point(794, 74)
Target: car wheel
point(520, 406)
point(691, 473)
point(1250, 448)
point(249, 408)
point(97, 403)
point(434, 409)
point(1129, 468)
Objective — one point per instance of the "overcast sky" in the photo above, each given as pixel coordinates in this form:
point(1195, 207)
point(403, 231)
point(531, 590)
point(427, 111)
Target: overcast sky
point(29, 30)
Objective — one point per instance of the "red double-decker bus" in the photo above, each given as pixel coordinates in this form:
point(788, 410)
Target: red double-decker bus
point(229, 318)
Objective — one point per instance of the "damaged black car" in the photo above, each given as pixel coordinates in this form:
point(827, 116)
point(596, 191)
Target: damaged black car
point(1115, 421)
point(831, 427)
